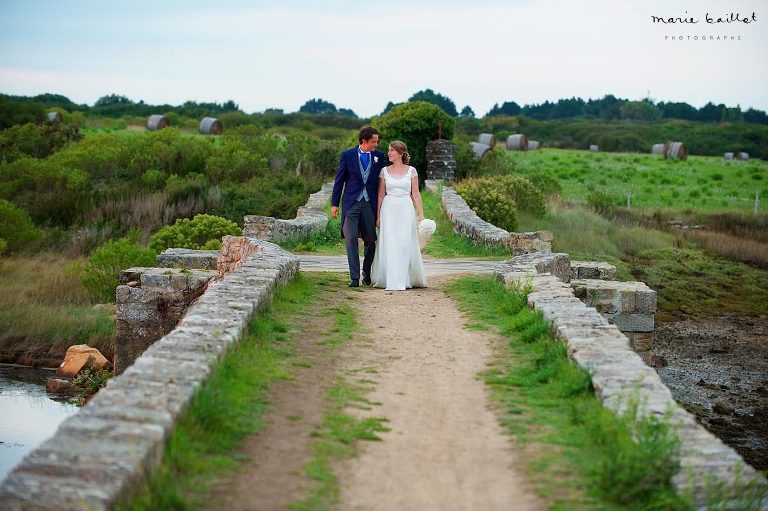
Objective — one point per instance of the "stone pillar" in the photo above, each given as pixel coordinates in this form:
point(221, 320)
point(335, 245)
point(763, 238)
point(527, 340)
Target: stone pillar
point(150, 304)
point(441, 162)
point(630, 306)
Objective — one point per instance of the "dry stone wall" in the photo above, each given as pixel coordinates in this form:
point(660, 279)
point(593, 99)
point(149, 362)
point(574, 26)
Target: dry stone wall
point(619, 374)
point(310, 218)
point(103, 454)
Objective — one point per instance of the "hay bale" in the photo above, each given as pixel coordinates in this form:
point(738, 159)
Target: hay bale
point(728, 156)
point(533, 145)
point(54, 117)
point(157, 122)
point(487, 139)
point(211, 126)
point(742, 156)
point(479, 149)
point(517, 143)
point(594, 148)
point(676, 151)
point(659, 149)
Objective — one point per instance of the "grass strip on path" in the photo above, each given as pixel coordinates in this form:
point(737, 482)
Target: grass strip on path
point(583, 456)
point(231, 404)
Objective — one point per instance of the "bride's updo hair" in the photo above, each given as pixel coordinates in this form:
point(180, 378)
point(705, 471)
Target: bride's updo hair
point(401, 149)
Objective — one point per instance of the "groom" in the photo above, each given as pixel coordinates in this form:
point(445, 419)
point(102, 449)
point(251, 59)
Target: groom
point(358, 174)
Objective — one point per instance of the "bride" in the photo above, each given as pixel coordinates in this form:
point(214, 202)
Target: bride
point(397, 263)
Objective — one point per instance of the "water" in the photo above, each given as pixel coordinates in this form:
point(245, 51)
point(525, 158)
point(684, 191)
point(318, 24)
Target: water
point(29, 415)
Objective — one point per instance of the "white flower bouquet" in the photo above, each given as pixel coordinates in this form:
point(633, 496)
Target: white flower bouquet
point(425, 229)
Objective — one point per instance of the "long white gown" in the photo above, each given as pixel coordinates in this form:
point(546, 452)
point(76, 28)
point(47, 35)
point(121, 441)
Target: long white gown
point(397, 263)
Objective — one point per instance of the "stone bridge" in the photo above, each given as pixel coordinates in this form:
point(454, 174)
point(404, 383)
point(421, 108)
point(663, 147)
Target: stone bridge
point(177, 321)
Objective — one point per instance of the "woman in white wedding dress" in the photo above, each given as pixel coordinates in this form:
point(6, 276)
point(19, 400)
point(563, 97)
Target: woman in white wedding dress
point(397, 263)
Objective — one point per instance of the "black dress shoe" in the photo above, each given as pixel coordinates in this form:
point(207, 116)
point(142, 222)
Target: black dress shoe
point(352, 283)
point(366, 279)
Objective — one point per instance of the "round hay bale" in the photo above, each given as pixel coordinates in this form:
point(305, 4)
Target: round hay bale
point(54, 117)
point(157, 122)
point(728, 156)
point(676, 151)
point(533, 145)
point(479, 149)
point(211, 126)
point(517, 143)
point(743, 156)
point(594, 148)
point(487, 139)
point(659, 149)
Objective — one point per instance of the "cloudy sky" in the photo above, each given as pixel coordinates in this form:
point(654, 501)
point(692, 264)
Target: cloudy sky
point(361, 55)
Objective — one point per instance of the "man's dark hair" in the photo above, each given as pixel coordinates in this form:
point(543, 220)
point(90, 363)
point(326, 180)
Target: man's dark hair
point(366, 134)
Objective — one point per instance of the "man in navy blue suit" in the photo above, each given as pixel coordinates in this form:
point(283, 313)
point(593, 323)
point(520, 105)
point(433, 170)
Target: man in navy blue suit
point(358, 175)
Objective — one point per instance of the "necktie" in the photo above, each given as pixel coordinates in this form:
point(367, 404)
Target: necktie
point(365, 158)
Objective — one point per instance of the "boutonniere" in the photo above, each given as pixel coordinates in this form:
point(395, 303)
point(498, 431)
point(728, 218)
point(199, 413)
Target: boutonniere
point(375, 159)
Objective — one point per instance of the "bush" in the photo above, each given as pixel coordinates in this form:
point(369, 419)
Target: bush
point(527, 197)
point(602, 202)
point(100, 274)
point(154, 179)
point(467, 164)
point(178, 188)
point(490, 203)
point(272, 196)
point(203, 232)
point(547, 183)
point(16, 227)
point(496, 162)
point(415, 123)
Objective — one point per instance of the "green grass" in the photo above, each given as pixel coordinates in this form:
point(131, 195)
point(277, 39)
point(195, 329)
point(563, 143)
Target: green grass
point(701, 182)
point(230, 405)
point(336, 440)
point(591, 459)
point(328, 241)
point(444, 243)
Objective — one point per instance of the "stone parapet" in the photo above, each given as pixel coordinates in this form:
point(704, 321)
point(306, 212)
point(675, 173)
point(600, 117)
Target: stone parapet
point(465, 222)
point(103, 454)
point(188, 258)
point(441, 160)
point(310, 218)
point(592, 270)
point(619, 375)
point(150, 303)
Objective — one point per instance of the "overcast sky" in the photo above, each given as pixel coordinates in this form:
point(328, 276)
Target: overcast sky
point(361, 55)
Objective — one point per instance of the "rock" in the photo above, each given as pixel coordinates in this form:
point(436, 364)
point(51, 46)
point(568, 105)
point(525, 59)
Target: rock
point(79, 357)
point(723, 408)
point(58, 385)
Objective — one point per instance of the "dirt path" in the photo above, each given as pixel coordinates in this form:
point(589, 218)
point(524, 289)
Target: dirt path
point(445, 450)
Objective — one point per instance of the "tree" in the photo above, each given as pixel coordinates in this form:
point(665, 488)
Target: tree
point(711, 112)
point(756, 116)
point(678, 111)
point(640, 111)
point(467, 112)
point(507, 108)
point(112, 99)
point(415, 123)
point(430, 96)
point(318, 106)
point(346, 112)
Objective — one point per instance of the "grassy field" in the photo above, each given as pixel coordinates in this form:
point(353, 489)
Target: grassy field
point(709, 183)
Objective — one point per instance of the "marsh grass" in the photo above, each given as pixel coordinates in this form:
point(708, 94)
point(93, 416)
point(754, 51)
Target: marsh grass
point(591, 458)
point(44, 309)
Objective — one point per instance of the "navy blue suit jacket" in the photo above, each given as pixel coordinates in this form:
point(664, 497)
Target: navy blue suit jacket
point(349, 178)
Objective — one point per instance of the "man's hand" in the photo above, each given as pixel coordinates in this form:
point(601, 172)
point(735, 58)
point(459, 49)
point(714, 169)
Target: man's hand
point(334, 211)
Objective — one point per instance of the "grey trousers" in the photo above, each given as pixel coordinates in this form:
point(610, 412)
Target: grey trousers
point(359, 220)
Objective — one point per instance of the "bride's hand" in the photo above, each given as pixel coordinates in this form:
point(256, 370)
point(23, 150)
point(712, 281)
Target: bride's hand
point(378, 223)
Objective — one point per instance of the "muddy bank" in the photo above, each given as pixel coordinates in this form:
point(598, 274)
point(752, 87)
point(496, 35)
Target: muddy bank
point(718, 369)
point(45, 354)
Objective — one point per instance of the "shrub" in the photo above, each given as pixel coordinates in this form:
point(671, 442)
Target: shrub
point(490, 203)
point(154, 179)
point(546, 182)
point(16, 227)
point(100, 274)
point(273, 196)
point(203, 232)
point(527, 197)
point(177, 187)
point(602, 202)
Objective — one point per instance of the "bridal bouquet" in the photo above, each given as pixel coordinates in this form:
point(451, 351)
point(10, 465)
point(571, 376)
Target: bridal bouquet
point(426, 228)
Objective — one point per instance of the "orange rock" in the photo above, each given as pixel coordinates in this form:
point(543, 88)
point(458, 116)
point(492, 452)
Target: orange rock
point(79, 357)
